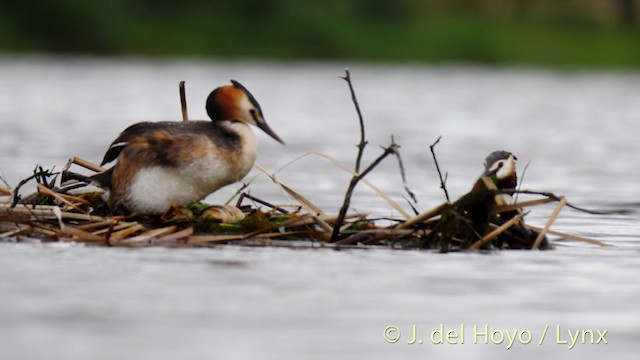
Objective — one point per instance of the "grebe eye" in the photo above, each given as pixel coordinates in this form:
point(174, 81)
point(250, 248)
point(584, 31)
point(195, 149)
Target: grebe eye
point(254, 115)
point(500, 164)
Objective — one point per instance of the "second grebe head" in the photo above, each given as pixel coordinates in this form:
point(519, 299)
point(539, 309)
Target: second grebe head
point(234, 102)
point(502, 166)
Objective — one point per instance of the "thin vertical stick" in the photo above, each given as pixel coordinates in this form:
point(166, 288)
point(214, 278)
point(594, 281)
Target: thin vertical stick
point(524, 172)
point(443, 185)
point(402, 173)
point(183, 102)
point(392, 149)
point(363, 139)
point(552, 218)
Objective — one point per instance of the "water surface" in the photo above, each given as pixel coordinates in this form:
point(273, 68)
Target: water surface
point(577, 131)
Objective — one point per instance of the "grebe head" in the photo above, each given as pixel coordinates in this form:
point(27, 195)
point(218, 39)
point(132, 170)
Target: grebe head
point(234, 102)
point(502, 165)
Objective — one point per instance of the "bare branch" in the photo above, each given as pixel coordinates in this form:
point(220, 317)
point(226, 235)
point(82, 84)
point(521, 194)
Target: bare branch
point(443, 182)
point(568, 204)
point(363, 139)
point(547, 225)
point(524, 172)
point(263, 202)
point(39, 174)
point(403, 174)
point(354, 181)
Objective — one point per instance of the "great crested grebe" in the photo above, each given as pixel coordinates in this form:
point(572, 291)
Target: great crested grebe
point(164, 163)
point(500, 166)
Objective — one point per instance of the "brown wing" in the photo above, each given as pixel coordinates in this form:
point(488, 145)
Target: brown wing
point(222, 136)
point(129, 133)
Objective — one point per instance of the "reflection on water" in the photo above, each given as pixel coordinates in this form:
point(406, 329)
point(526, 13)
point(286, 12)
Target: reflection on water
point(576, 130)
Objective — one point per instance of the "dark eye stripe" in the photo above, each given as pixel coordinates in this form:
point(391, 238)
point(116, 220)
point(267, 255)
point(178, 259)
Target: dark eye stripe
point(253, 113)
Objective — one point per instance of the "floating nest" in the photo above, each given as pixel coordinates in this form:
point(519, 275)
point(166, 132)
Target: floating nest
point(64, 209)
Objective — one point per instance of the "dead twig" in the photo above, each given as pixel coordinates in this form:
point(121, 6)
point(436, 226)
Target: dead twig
point(39, 174)
point(301, 199)
point(367, 235)
point(568, 204)
point(182, 234)
point(344, 167)
point(354, 181)
point(363, 139)
point(356, 178)
point(260, 201)
point(239, 192)
point(146, 237)
point(62, 198)
point(490, 236)
point(4, 191)
point(443, 182)
point(571, 237)
point(183, 101)
point(424, 216)
point(521, 182)
point(552, 218)
point(87, 164)
point(520, 205)
point(403, 174)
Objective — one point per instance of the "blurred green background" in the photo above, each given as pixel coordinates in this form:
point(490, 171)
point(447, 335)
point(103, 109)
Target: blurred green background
point(559, 33)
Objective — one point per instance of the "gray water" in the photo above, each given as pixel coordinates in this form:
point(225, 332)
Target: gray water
point(577, 131)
